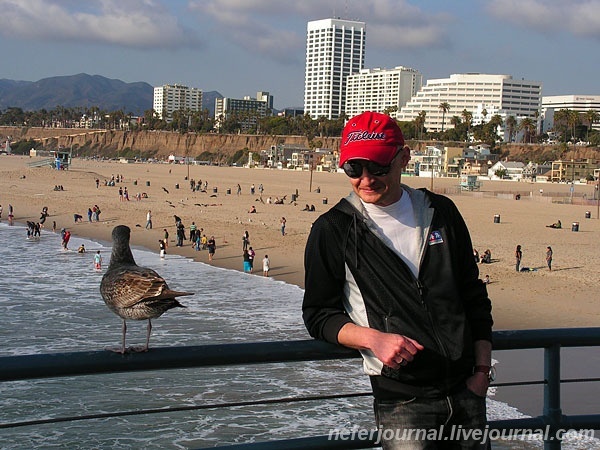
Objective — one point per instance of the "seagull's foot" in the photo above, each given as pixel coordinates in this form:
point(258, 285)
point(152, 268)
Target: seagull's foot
point(116, 350)
point(137, 349)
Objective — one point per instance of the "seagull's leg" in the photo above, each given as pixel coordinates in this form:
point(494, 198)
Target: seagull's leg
point(123, 341)
point(148, 335)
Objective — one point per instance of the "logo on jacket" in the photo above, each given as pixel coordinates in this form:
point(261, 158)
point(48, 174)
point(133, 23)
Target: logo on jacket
point(435, 238)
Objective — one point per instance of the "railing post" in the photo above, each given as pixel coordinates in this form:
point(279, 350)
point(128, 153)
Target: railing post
point(552, 410)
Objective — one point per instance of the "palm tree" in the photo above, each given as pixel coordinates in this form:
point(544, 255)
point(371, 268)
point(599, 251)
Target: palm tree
point(468, 119)
point(511, 125)
point(591, 116)
point(484, 113)
point(573, 119)
point(445, 107)
point(528, 126)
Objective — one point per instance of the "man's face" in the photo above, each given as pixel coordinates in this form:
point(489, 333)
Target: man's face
point(382, 190)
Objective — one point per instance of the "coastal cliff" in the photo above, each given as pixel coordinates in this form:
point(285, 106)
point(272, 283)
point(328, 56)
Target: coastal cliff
point(159, 144)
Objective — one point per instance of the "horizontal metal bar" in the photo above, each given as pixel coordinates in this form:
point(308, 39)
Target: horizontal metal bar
point(160, 358)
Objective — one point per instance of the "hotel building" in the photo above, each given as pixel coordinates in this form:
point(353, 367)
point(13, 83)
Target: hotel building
point(579, 103)
point(334, 49)
point(248, 109)
point(381, 90)
point(176, 97)
point(476, 93)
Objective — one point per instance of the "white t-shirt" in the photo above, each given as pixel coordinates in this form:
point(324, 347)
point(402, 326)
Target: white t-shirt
point(397, 224)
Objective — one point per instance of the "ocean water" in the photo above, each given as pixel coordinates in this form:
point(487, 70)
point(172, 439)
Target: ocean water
point(50, 302)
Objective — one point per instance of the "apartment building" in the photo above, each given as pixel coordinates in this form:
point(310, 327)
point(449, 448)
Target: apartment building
point(483, 95)
point(335, 48)
point(176, 97)
point(248, 109)
point(580, 103)
point(381, 90)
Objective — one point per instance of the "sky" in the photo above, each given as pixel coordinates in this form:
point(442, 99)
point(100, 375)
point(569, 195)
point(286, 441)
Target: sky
point(240, 47)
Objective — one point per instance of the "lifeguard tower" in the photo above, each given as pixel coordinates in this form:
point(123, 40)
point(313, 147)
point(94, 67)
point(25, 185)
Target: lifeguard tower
point(62, 159)
point(469, 183)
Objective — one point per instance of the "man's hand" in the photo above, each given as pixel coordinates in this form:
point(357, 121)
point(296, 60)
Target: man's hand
point(393, 350)
point(478, 383)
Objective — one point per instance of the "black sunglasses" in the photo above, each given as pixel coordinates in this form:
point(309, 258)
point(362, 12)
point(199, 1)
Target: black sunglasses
point(354, 167)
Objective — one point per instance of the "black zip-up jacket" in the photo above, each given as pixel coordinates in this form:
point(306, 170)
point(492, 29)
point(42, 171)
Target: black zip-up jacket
point(353, 276)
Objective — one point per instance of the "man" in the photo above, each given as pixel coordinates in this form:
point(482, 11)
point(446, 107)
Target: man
point(390, 272)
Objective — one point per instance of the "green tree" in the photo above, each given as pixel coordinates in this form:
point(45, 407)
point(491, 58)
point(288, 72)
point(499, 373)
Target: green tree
point(468, 120)
point(511, 126)
point(590, 116)
point(445, 107)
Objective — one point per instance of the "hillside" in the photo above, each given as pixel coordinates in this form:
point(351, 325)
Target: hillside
point(84, 91)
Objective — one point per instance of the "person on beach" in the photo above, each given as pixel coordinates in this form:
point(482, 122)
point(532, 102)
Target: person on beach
point(247, 263)
point(251, 255)
point(161, 247)
point(149, 220)
point(282, 222)
point(245, 240)
point(0, 211)
point(390, 272)
point(98, 260)
point(549, 257)
point(518, 257)
point(81, 249)
point(266, 265)
point(166, 238)
point(89, 214)
point(65, 240)
point(212, 247)
point(556, 224)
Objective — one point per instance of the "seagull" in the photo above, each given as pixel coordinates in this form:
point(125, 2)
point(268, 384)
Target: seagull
point(165, 189)
point(133, 292)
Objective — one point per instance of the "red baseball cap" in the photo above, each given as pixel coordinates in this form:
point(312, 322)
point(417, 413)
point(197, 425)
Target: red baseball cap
point(373, 136)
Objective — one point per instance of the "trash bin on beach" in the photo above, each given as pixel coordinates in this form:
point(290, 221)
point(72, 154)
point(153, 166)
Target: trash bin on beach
point(324, 200)
point(215, 190)
point(575, 226)
point(588, 214)
point(176, 185)
point(318, 190)
point(229, 190)
point(497, 218)
point(147, 183)
point(294, 197)
point(135, 182)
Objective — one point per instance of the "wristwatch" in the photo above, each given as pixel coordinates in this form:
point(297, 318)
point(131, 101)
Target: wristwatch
point(490, 371)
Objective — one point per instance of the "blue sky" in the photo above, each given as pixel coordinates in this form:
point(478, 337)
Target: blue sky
point(239, 47)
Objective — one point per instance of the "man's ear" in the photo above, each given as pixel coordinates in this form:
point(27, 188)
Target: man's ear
point(404, 156)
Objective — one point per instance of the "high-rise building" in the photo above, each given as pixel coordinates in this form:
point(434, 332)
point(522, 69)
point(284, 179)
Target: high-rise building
point(579, 103)
point(381, 90)
point(483, 95)
point(247, 110)
point(334, 49)
point(176, 97)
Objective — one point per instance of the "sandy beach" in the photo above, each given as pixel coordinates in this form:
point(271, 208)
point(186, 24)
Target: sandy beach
point(565, 297)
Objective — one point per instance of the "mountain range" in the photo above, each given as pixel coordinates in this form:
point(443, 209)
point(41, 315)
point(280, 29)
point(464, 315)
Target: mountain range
point(83, 90)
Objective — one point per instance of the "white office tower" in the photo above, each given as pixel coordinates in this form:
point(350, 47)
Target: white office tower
point(381, 90)
point(579, 103)
point(482, 95)
point(334, 49)
point(176, 97)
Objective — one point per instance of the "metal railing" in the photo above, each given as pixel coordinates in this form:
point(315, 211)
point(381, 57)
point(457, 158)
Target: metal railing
point(98, 362)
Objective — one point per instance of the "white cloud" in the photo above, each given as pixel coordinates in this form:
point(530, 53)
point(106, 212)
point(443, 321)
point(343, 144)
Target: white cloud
point(131, 23)
point(263, 26)
point(577, 17)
